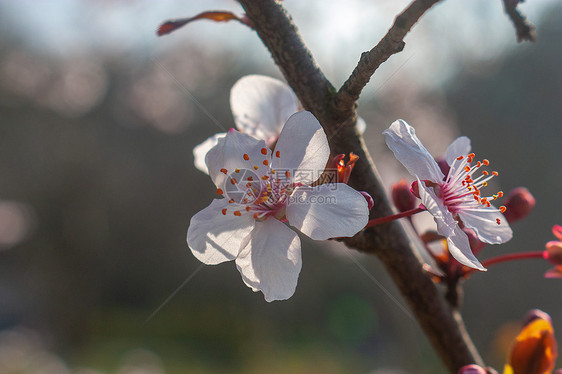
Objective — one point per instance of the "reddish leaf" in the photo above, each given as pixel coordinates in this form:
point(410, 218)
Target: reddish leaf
point(217, 16)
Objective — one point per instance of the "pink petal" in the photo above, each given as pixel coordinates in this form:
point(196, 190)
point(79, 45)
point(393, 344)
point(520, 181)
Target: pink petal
point(213, 237)
point(327, 211)
point(200, 151)
point(402, 140)
point(261, 105)
point(459, 147)
point(303, 148)
point(271, 260)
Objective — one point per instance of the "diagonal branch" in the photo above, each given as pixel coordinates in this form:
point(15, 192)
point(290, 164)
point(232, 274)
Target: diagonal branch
point(443, 326)
point(391, 43)
point(525, 30)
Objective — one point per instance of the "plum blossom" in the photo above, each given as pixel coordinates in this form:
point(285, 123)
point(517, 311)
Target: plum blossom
point(262, 189)
point(260, 106)
point(455, 200)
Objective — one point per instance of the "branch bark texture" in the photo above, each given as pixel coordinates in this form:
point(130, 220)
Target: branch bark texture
point(443, 326)
point(391, 43)
point(525, 30)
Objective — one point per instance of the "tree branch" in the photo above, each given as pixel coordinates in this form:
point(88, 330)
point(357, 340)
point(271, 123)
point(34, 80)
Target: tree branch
point(443, 326)
point(391, 43)
point(525, 30)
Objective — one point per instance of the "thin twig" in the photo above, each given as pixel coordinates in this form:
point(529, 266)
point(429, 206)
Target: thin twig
point(525, 30)
point(391, 43)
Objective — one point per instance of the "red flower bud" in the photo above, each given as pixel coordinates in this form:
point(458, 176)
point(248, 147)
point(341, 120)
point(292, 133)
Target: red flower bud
point(402, 197)
point(370, 201)
point(553, 252)
point(519, 203)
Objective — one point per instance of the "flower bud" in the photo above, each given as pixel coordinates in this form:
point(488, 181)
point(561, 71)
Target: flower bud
point(536, 314)
point(553, 252)
point(370, 201)
point(519, 203)
point(472, 369)
point(402, 197)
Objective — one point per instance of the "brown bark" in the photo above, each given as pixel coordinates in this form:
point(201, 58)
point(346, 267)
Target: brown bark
point(442, 325)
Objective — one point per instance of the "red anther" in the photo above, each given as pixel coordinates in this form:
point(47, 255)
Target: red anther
point(224, 211)
point(250, 179)
point(500, 193)
point(498, 221)
point(484, 184)
point(478, 164)
point(248, 185)
point(256, 167)
point(263, 151)
point(237, 170)
point(237, 213)
point(224, 171)
point(231, 201)
point(460, 158)
point(265, 162)
point(248, 209)
point(467, 168)
point(486, 162)
point(246, 157)
point(219, 191)
point(233, 181)
point(287, 174)
point(553, 252)
point(265, 177)
point(245, 201)
point(503, 209)
point(256, 215)
point(495, 173)
point(485, 172)
point(277, 154)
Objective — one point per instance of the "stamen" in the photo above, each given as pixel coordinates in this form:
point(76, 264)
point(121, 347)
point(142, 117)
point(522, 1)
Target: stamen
point(486, 162)
point(265, 162)
point(224, 211)
point(495, 173)
point(246, 157)
point(237, 170)
point(288, 174)
point(237, 213)
point(248, 209)
point(460, 158)
point(265, 177)
point(498, 221)
point(233, 181)
point(263, 151)
point(500, 193)
point(219, 191)
point(256, 167)
point(503, 209)
point(224, 171)
point(231, 201)
point(277, 154)
point(250, 178)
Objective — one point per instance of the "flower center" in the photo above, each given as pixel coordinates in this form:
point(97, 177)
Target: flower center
point(461, 189)
point(259, 189)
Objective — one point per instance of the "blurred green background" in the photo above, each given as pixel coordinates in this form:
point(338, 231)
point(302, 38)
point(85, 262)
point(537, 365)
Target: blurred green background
point(98, 119)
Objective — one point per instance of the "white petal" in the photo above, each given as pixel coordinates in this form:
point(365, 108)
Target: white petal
point(402, 140)
point(261, 105)
point(361, 125)
point(200, 151)
point(446, 223)
point(303, 148)
point(459, 247)
point(271, 260)
point(229, 153)
point(327, 211)
point(213, 237)
point(483, 222)
point(459, 147)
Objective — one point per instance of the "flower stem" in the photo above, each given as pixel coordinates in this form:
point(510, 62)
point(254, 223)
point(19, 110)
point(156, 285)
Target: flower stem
point(378, 221)
point(509, 257)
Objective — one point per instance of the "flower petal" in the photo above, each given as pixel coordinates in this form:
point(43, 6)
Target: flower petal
point(459, 147)
point(484, 223)
point(200, 151)
point(327, 211)
point(445, 221)
point(271, 260)
point(459, 247)
point(213, 237)
point(261, 105)
point(402, 140)
point(303, 148)
point(229, 154)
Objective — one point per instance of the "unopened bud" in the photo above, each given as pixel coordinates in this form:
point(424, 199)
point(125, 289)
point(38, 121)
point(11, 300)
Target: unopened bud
point(553, 252)
point(472, 369)
point(402, 197)
point(370, 201)
point(519, 203)
point(536, 314)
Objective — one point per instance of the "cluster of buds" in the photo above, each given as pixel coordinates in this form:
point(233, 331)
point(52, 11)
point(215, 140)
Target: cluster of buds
point(553, 253)
point(533, 351)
